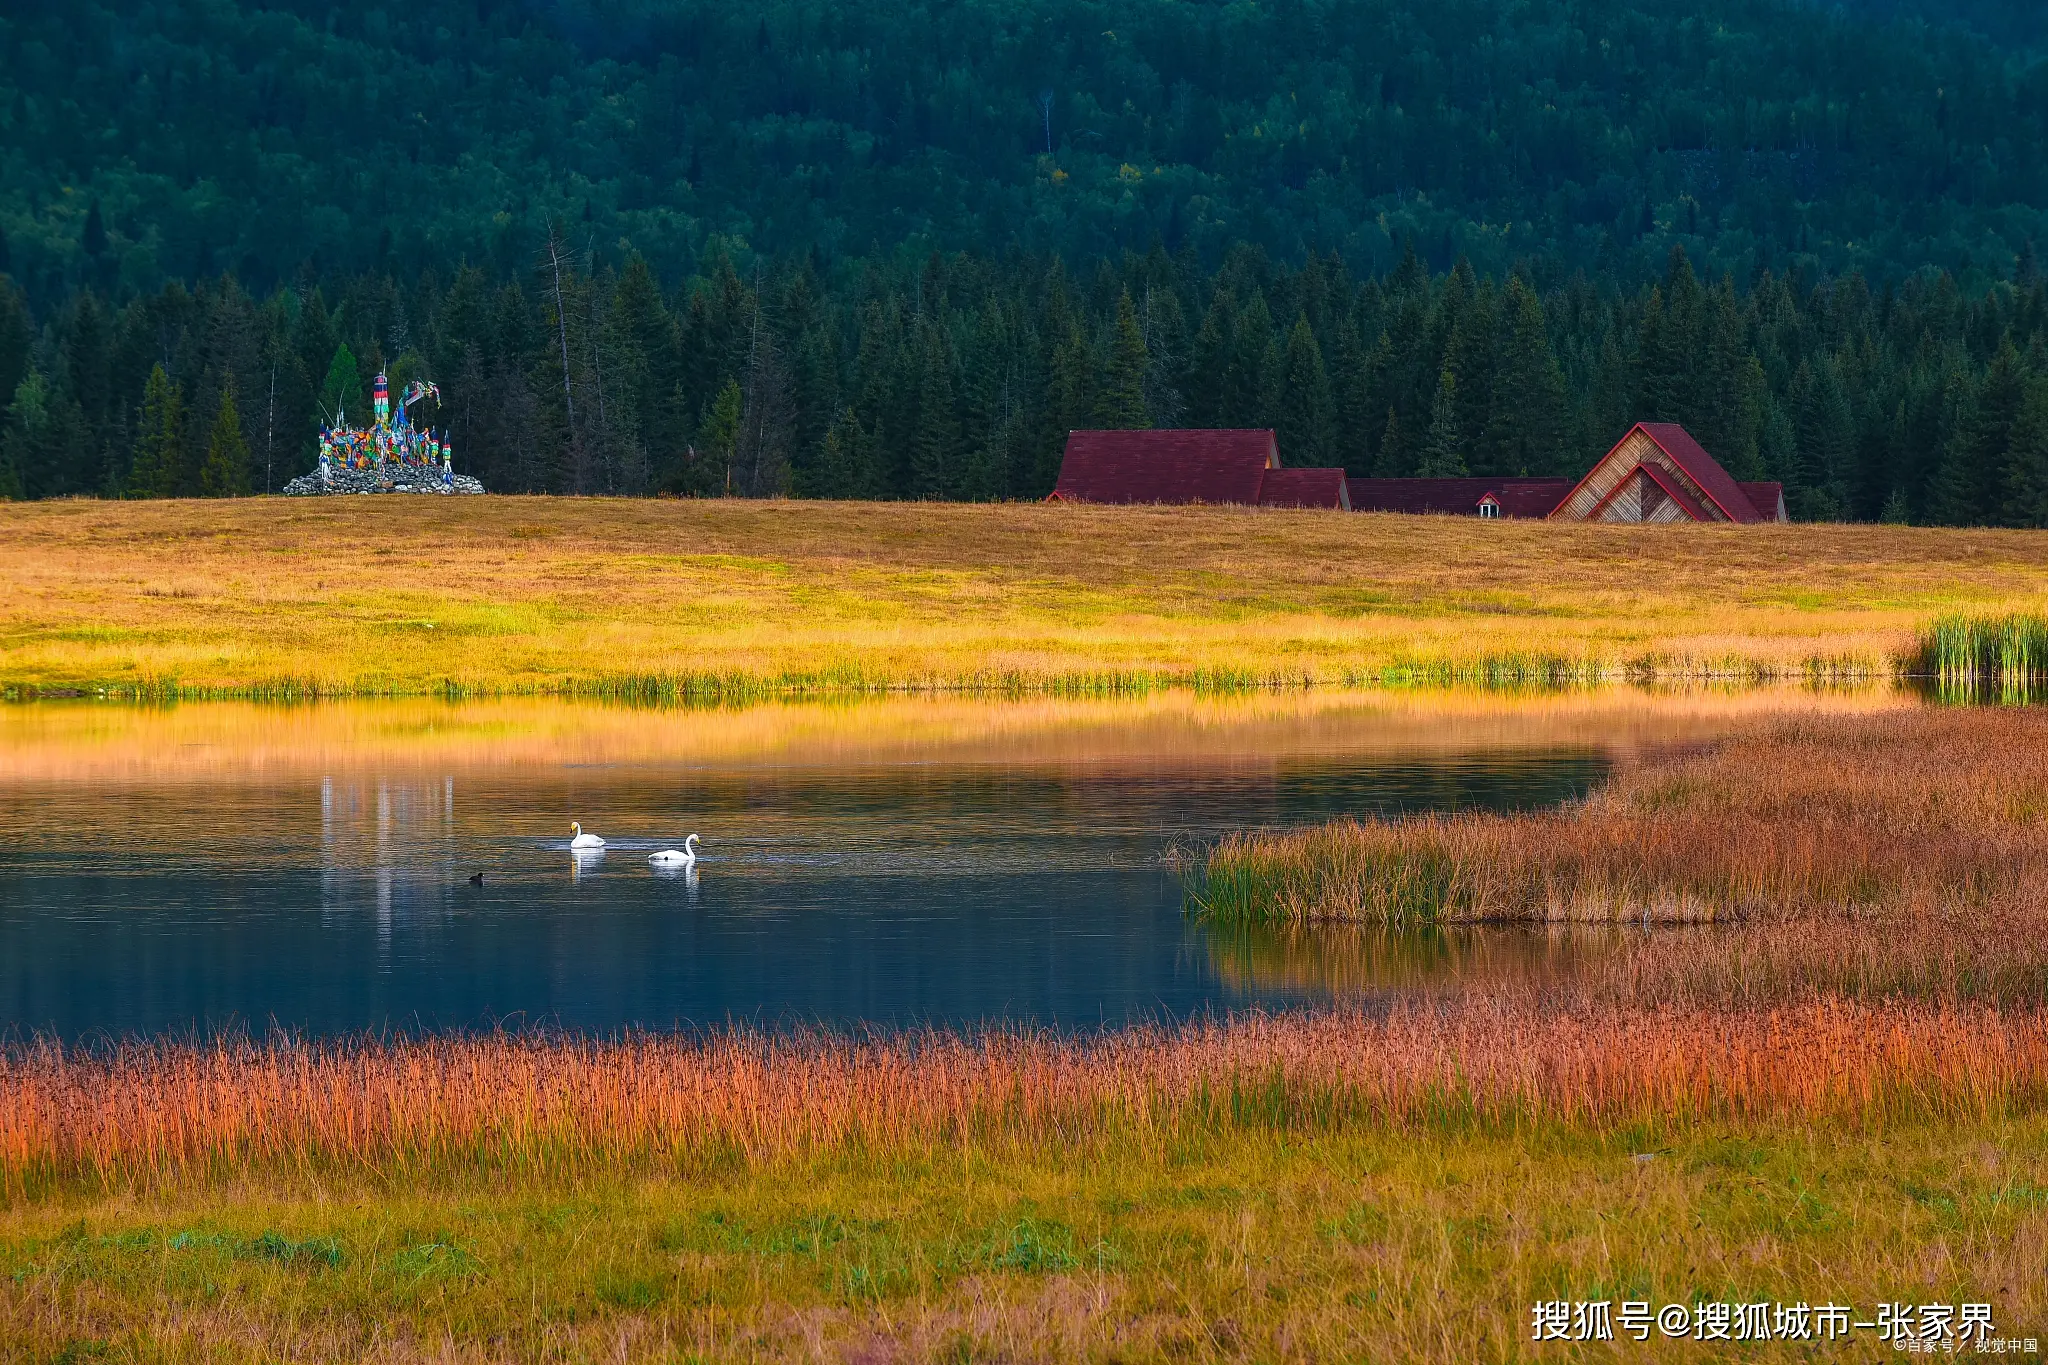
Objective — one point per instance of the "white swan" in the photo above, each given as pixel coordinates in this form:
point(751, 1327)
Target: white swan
point(686, 856)
point(583, 840)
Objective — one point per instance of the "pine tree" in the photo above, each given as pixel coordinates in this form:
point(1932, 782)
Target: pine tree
point(1215, 343)
point(1968, 487)
point(1526, 427)
point(342, 391)
point(718, 438)
point(1303, 413)
point(159, 440)
point(845, 466)
point(935, 444)
point(225, 473)
point(43, 441)
point(1071, 396)
point(1442, 457)
point(1392, 460)
point(2026, 473)
point(1120, 405)
point(1824, 429)
point(1243, 401)
point(1351, 408)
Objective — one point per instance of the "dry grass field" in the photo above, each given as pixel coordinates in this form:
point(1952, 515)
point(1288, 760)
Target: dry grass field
point(1338, 1187)
point(266, 596)
point(1912, 816)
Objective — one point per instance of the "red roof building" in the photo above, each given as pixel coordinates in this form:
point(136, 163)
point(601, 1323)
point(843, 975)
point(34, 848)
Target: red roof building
point(1460, 497)
point(1185, 466)
point(1305, 488)
point(1658, 473)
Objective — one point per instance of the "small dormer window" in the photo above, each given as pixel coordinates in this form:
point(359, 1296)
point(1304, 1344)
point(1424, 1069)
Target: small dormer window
point(1488, 508)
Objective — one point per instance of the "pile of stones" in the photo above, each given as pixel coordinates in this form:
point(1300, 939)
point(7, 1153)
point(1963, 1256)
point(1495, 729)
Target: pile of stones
point(378, 481)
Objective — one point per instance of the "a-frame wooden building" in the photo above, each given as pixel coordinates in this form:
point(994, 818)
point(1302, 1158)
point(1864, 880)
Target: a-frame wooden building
point(1659, 473)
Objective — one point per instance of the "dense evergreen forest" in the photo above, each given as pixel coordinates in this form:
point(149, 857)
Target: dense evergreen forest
point(898, 251)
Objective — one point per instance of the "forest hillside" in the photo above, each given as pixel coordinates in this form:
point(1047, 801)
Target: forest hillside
point(899, 250)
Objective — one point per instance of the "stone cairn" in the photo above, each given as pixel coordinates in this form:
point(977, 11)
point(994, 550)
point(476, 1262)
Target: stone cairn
point(392, 456)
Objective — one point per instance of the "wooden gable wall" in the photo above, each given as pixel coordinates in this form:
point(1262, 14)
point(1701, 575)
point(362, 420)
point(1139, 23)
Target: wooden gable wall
point(1617, 489)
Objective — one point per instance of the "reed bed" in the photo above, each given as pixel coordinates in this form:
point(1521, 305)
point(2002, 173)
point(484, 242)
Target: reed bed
point(1908, 815)
point(1986, 658)
point(533, 1105)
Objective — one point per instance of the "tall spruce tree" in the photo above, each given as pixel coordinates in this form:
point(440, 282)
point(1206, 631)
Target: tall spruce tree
point(1120, 404)
point(225, 471)
point(159, 440)
point(1526, 425)
point(1443, 456)
point(935, 443)
point(1303, 413)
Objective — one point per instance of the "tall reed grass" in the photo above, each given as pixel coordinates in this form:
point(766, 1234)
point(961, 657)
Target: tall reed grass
point(1908, 814)
point(533, 1105)
point(1975, 658)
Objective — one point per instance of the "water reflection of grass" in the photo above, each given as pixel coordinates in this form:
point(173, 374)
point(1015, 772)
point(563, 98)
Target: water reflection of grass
point(724, 600)
point(82, 741)
point(1349, 960)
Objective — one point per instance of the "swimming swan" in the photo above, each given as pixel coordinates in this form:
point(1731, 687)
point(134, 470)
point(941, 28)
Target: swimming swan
point(685, 856)
point(583, 840)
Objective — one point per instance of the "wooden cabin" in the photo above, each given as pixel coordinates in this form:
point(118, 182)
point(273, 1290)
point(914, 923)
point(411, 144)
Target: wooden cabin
point(1658, 473)
point(1186, 466)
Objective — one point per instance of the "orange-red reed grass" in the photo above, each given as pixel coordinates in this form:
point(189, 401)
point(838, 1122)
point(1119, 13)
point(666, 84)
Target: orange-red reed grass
point(1908, 813)
point(165, 1110)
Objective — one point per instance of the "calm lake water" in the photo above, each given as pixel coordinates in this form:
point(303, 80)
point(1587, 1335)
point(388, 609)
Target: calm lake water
point(201, 867)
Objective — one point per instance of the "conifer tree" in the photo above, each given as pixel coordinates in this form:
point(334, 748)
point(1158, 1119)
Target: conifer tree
point(1391, 461)
point(1214, 344)
point(1072, 387)
point(1525, 429)
point(341, 393)
point(935, 444)
point(1351, 443)
point(1243, 400)
point(719, 437)
point(1442, 457)
point(2026, 473)
point(44, 442)
point(1303, 413)
point(1120, 405)
point(225, 472)
point(159, 440)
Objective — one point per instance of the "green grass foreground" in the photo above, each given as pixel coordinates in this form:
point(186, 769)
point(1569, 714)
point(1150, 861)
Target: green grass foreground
point(1385, 1242)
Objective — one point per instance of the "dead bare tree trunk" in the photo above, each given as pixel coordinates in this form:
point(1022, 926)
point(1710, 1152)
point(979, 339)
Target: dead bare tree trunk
point(562, 322)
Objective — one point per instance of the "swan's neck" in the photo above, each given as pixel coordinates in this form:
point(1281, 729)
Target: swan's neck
point(690, 844)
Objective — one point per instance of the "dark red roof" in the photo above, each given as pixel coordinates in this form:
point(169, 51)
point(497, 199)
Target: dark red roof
point(1702, 468)
point(1458, 497)
point(1165, 466)
point(1764, 497)
point(1303, 488)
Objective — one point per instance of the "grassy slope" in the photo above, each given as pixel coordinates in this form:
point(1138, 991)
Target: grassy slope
point(509, 593)
point(1383, 1244)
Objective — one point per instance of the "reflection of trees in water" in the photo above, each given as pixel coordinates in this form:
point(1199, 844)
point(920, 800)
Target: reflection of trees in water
point(370, 829)
point(1341, 959)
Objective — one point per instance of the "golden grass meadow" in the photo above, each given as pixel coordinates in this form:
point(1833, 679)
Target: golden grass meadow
point(1761, 1019)
point(411, 595)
